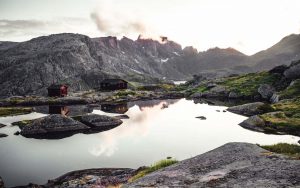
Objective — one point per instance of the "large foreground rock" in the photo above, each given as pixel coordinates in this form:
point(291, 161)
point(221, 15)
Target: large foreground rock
point(52, 125)
point(249, 109)
point(231, 165)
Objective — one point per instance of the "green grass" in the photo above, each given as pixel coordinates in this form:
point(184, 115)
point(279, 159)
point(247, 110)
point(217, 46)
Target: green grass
point(248, 84)
point(12, 111)
point(291, 150)
point(291, 91)
point(289, 107)
point(123, 93)
point(156, 166)
point(281, 123)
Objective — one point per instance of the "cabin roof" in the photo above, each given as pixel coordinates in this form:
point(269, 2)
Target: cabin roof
point(113, 81)
point(56, 86)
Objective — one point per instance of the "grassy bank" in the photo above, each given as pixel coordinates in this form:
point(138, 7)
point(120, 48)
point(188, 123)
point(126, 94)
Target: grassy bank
point(156, 166)
point(291, 150)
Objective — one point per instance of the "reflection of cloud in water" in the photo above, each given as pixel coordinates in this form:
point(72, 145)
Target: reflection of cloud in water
point(136, 126)
point(106, 147)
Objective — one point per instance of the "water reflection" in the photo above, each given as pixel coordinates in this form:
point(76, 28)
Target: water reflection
point(118, 108)
point(57, 109)
point(71, 110)
point(153, 132)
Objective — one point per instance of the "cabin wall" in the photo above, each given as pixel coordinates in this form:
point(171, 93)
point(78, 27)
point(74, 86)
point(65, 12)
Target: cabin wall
point(118, 86)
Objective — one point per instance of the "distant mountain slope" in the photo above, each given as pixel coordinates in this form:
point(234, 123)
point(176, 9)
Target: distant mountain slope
point(83, 62)
point(284, 52)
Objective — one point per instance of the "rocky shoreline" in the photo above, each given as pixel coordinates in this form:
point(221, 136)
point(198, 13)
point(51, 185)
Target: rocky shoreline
point(250, 166)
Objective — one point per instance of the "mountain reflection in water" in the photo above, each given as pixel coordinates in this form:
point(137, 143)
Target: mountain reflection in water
point(155, 129)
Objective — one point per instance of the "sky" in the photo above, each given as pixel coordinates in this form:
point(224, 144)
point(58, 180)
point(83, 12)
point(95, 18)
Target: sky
point(246, 25)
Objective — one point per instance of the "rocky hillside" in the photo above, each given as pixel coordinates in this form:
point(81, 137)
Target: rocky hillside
point(83, 62)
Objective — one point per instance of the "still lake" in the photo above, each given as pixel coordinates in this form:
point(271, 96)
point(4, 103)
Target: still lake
point(155, 130)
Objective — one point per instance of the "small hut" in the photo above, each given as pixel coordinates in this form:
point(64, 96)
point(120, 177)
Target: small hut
point(113, 84)
point(57, 90)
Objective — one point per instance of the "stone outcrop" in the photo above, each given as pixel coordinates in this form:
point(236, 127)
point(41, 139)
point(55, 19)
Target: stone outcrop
point(231, 165)
point(100, 121)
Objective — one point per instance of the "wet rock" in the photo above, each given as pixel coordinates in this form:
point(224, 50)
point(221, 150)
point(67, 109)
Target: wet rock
point(293, 72)
point(1, 183)
point(100, 121)
point(103, 177)
point(201, 117)
point(52, 125)
point(17, 133)
point(249, 109)
point(266, 91)
point(124, 116)
point(216, 92)
point(231, 165)
point(3, 135)
point(234, 95)
point(196, 95)
point(2, 125)
point(254, 123)
point(224, 110)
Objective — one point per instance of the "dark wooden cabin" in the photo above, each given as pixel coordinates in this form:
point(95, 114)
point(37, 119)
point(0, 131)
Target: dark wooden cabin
point(56, 90)
point(113, 84)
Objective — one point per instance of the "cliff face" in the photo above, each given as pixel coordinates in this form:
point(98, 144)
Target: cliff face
point(83, 62)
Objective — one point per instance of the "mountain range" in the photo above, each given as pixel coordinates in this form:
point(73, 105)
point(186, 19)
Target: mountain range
point(82, 62)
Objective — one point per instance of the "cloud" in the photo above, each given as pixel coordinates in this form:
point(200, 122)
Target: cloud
point(21, 30)
point(117, 25)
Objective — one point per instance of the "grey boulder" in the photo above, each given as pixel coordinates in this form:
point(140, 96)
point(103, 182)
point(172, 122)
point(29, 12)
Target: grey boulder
point(100, 121)
point(266, 91)
point(52, 124)
point(249, 109)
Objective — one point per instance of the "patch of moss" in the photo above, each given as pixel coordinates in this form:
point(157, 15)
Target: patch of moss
point(266, 108)
point(291, 150)
point(248, 84)
point(279, 122)
point(290, 107)
point(156, 166)
point(181, 87)
point(291, 91)
point(22, 123)
point(12, 111)
point(123, 93)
